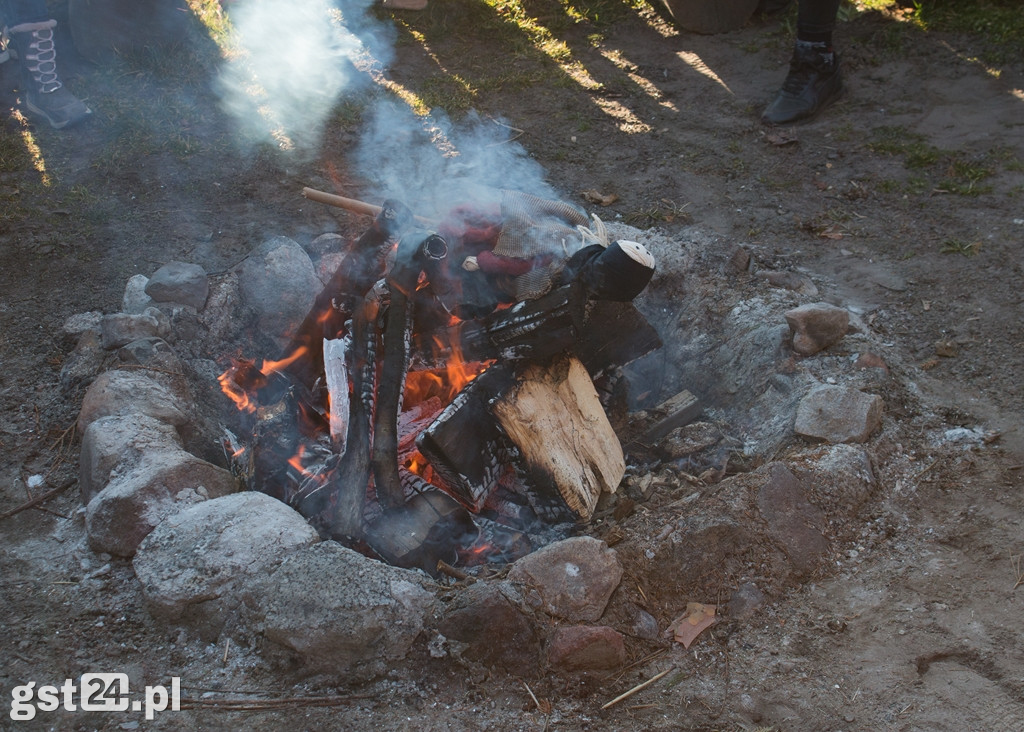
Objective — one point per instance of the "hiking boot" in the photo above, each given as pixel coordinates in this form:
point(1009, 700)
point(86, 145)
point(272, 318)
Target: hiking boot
point(814, 80)
point(44, 94)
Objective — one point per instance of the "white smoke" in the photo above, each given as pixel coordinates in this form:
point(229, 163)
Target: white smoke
point(299, 57)
point(294, 61)
point(432, 164)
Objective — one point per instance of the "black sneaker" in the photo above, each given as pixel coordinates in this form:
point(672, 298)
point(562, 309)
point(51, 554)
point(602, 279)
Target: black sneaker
point(814, 81)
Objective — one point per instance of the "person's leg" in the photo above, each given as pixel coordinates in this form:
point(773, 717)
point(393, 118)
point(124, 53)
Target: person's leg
point(31, 41)
point(814, 77)
point(15, 12)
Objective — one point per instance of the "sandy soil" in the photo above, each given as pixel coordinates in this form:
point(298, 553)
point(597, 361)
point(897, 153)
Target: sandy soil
point(905, 196)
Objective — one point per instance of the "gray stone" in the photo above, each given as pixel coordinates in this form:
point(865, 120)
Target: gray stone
point(689, 439)
point(77, 324)
point(838, 414)
point(794, 523)
point(111, 440)
point(193, 565)
point(643, 624)
point(278, 282)
point(475, 616)
point(327, 244)
point(340, 611)
point(152, 353)
point(328, 264)
point(844, 475)
point(817, 326)
point(142, 493)
point(219, 319)
point(571, 579)
point(131, 392)
point(180, 282)
point(119, 329)
point(586, 648)
point(745, 601)
point(84, 363)
point(135, 299)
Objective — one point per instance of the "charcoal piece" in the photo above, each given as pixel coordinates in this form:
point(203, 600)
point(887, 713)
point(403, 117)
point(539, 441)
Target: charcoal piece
point(464, 444)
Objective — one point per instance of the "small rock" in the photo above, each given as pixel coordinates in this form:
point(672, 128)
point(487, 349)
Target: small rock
point(78, 324)
point(689, 439)
point(946, 349)
point(84, 363)
point(745, 601)
point(644, 625)
point(144, 492)
point(474, 614)
point(279, 283)
point(586, 648)
point(120, 329)
point(817, 326)
point(180, 282)
point(130, 392)
point(838, 414)
point(326, 244)
point(869, 360)
point(740, 260)
point(110, 440)
point(135, 299)
point(573, 578)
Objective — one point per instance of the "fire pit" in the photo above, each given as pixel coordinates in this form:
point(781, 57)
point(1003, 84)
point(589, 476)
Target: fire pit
point(418, 418)
point(438, 402)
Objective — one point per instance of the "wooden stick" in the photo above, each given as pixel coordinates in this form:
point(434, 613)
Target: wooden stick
point(39, 499)
point(532, 696)
point(353, 205)
point(444, 568)
point(636, 688)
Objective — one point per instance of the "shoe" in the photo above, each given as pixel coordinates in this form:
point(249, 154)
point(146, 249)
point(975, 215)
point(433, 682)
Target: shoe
point(45, 95)
point(814, 81)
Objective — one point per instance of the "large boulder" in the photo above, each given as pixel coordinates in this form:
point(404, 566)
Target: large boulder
point(340, 611)
point(144, 492)
point(194, 565)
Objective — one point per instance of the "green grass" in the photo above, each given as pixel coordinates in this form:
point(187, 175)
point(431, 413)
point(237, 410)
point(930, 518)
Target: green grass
point(936, 169)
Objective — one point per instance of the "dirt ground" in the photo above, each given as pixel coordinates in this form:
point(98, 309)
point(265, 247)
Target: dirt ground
point(906, 197)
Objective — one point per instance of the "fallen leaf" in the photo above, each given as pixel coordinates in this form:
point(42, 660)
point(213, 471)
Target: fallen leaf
point(692, 623)
point(830, 233)
point(601, 199)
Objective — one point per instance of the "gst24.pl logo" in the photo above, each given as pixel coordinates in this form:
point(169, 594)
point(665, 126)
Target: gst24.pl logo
point(96, 692)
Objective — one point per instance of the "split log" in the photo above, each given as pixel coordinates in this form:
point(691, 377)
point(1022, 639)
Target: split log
point(554, 416)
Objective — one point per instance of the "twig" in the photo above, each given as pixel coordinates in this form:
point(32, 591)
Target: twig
point(532, 696)
point(637, 688)
point(39, 499)
point(254, 705)
point(227, 646)
point(1015, 561)
point(444, 568)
